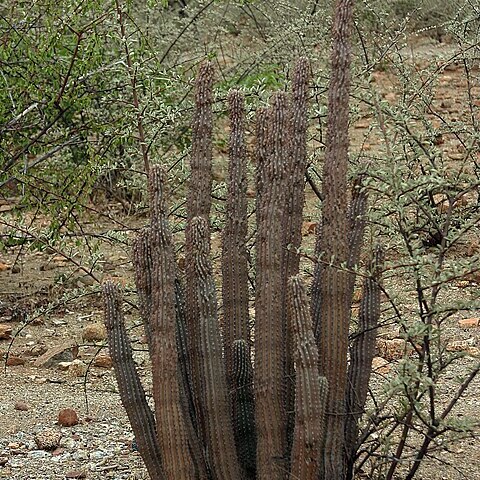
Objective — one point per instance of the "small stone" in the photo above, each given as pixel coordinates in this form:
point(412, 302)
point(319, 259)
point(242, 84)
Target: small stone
point(64, 366)
point(65, 352)
point(80, 455)
point(57, 322)
point(76, 474)
point(22, 406)
point(3, 461)
point(48, 266)
point(14, 361)
point(381, 366)
point(38, 453)
point(67, 417)
point(48, 439)
point(390, 97)
point(94, 333)
point(34, 350)
point(97, 455)
point(58, 451)
point(16, 269)
point(5, 331)
point(469, 322)
point(68, 443)
point(461, 345)
point(391, 349)
point(59, 259)
point(473, 351)
point(77, 369)
point(86, 280)
point(309, 228)
point(103, 361)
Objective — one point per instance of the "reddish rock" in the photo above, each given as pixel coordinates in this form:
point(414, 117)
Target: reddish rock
point(67, 417)
point(76, 474)
point(5, 331)
point(22, 406)
point(461, 345)
point(469, 322)
point(35, 350)
point(103, 361)
point(473, 351)
point(309, 228)
point(14, 361)
point(392, 349)
point(381, 366)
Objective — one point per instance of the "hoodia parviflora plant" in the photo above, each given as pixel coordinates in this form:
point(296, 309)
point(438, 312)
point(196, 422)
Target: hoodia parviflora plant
point(272, 397)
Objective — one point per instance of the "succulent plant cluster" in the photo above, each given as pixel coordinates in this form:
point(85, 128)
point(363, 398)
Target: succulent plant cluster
point(272, 397)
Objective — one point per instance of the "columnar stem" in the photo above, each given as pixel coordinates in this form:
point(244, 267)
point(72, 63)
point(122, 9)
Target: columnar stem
point(270, 328)
point(330, 302)
point(216, 405)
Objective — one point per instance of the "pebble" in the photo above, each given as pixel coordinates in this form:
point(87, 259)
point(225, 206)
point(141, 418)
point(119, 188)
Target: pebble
point(68, 443)
point(95, 332)
point(38, 454)
point(103, 361)
point(469, 322)
point(22, 406)
point(65, 352)
point(77, 369)
point(75, 474)
point(14, 361)
point(5, 331)
point(48, 439)
point(97, 455)
point(67, 417)
point(80, 455)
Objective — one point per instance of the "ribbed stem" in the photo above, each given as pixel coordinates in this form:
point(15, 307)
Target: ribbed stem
point(330, 303)
point(199, 196)
point(142, 261)
point(234, 245)
point(172, 433)
point(217, 408)
point(295, 201)
point(186, 386)
point(198, 204)
point(131, 389)
point(311, 389)
point(270, 329)
point(244, 408)
point(357, 222)
point(362, 352)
